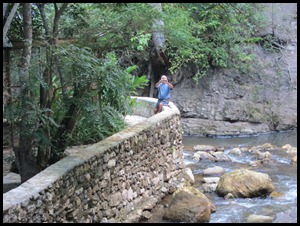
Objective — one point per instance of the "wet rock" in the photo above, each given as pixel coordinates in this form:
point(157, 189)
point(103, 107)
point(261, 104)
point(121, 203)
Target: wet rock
point(245, 183)
point(206, 148)
point(286, 147)
point(255, 163)
point(229, 196)
point(244, 149)
point(276, 194)
point(294, 159)
point(209, 187)
point(261, 155)
point(253, 218)
point(288, 216)
point(235, 151)
point(292, 150)
point(213, 170)
point(187, 176)
point(200, 155)
point(221, 157)
point(210, 184)
point(211, 180)
point(189, 205)
point(269, 147)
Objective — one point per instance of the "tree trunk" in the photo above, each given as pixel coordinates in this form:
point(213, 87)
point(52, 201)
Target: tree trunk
point(158, 58)
point(45, 153)
point(7, 96)
point(6, 82)
point(151, 78)
point(9, 19)
point(41, 7)
point(46, 96)
point(158, 36)
point(24, 153)
point(58, 13)
point(67, 126)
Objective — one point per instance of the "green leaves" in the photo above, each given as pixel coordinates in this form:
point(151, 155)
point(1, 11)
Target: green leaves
point(113, 39)
point(95, 125)
point(106, 100)
point(210, 34)
point(140, 41)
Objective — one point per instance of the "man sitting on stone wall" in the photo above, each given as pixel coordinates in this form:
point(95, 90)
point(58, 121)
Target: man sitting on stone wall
point(164, 88)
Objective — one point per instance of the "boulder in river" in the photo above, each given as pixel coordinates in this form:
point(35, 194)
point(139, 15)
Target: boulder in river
point(244, 183)
point(189, 205)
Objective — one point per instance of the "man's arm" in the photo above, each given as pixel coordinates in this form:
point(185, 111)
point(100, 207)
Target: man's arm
point(156, 84)
point(170, 85)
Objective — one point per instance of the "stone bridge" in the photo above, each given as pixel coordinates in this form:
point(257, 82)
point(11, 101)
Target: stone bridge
point(113, 180)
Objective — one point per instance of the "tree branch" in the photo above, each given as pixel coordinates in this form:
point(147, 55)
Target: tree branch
point(9, 19)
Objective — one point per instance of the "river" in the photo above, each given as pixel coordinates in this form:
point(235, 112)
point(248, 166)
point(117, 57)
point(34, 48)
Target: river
point(282, 173)
point(237, 210)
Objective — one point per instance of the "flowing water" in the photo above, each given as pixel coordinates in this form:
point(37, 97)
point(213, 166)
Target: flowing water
point(282, 173)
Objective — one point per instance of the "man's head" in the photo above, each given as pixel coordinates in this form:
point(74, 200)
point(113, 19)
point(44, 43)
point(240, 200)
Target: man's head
point(164, 79)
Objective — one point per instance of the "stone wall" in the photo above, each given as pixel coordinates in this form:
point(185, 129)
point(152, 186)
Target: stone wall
point(113, 180)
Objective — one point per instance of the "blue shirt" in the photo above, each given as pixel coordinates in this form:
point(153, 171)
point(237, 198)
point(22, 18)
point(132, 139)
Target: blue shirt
point(163, 91)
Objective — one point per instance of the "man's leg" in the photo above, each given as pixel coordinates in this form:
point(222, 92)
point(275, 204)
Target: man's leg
point(160, 107)
point(163, 103)
point(156, 107)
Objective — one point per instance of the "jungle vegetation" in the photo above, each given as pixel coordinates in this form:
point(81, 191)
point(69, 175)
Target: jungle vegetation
point(70, 68)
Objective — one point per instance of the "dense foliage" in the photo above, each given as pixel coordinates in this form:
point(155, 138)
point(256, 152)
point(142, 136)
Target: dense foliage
point(211, 35)
point(80, 88)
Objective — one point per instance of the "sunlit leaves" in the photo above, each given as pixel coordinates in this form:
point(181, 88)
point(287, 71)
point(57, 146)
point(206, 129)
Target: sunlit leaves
point(140, 41)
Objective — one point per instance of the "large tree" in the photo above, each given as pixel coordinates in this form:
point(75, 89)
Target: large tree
point(159, 43)
point(69, 94)
point(28, 123)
